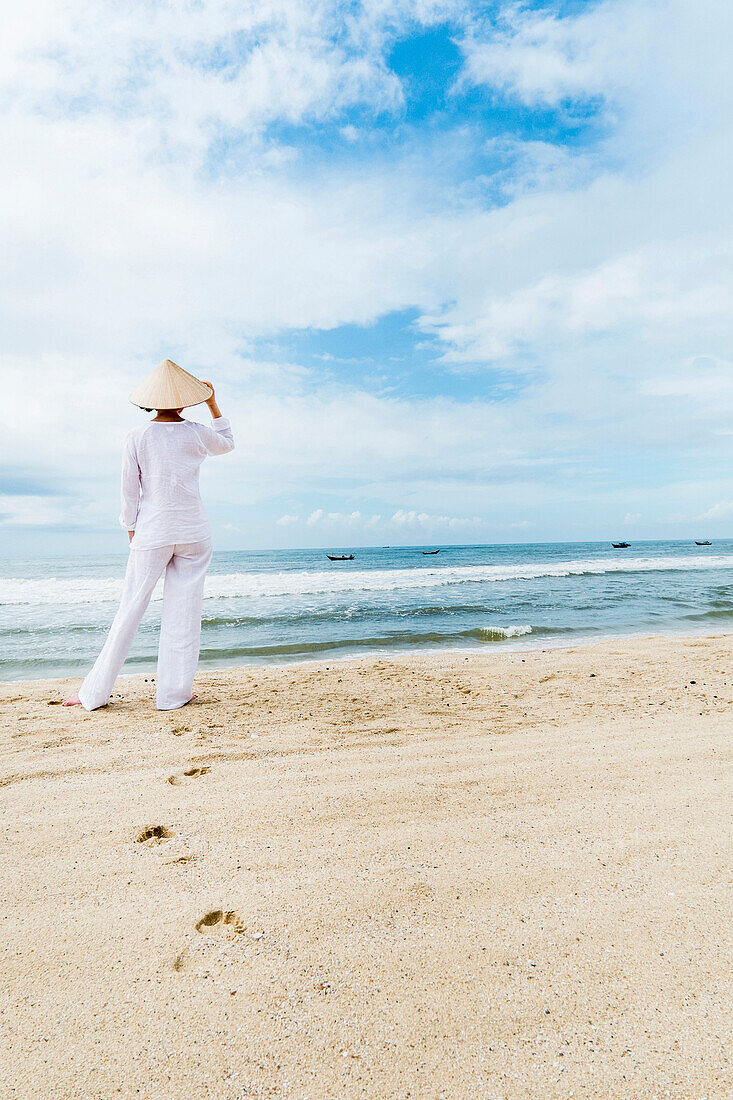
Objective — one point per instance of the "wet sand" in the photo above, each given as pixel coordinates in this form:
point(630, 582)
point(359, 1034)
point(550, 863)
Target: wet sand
point(422, 877)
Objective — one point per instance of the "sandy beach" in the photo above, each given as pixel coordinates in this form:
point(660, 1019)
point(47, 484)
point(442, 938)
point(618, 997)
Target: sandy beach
point(447, 876)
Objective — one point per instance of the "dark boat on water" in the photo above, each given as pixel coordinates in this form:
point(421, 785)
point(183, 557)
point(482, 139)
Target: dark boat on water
point(704, 542)
point(427, 553)
point(340, 557)
point(620, 545)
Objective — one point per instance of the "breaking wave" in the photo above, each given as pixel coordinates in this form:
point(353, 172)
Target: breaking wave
point(244, 585)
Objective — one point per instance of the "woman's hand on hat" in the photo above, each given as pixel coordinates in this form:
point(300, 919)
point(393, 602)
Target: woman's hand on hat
point(211, 401)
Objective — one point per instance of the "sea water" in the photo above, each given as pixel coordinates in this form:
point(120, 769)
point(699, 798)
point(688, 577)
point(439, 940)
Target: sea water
point(288, 605)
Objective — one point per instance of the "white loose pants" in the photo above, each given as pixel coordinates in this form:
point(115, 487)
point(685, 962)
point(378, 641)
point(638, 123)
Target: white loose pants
point(185, 568)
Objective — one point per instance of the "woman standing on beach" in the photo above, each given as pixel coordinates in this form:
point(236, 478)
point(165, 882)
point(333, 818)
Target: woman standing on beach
point(169, 533)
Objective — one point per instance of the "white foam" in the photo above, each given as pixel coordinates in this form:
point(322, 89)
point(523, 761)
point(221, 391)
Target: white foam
point(493, 633)
point(71, 590)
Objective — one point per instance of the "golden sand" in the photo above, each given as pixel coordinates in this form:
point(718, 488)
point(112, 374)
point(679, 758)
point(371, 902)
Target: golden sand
point(423, 877)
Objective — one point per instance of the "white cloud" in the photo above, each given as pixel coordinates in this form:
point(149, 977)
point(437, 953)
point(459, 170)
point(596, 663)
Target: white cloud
point(31, 511)
point(601, 282)
point(287, 521)
point(406, 522)
point(659, 68)
point(401, 518)
point(192, 69)
point(353, 519)
point(660, 290)
point(722, 510)
point(545, 59)
point(176, 76)
point(38, 510)
point(343, 519)
point(704, 380)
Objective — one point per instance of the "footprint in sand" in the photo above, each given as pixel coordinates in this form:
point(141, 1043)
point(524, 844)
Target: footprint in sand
point(219, 921)
point(155, 834)
point(421, 891)
point(190, 773)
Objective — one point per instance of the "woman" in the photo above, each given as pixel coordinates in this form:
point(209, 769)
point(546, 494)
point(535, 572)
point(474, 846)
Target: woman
point(168, 531)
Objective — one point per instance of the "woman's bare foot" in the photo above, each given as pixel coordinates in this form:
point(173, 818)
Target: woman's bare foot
point(72, 701)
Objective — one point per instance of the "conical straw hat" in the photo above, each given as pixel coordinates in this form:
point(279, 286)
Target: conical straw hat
point(170, 387)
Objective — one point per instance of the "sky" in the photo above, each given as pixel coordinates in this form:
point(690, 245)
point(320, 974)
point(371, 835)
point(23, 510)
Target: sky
point(460, 272)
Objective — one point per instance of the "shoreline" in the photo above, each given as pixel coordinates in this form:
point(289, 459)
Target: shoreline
point(519, 644)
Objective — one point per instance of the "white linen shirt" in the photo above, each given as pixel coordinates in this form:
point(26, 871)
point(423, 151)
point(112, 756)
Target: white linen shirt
point(160, 480)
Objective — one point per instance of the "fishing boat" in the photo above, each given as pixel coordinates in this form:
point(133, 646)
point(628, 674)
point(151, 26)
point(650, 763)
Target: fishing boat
point(340, 557)
point(428, 553)
point(703, 542)
point(620, 545)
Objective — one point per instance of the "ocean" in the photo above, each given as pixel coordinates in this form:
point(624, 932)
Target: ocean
point(289, 605)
